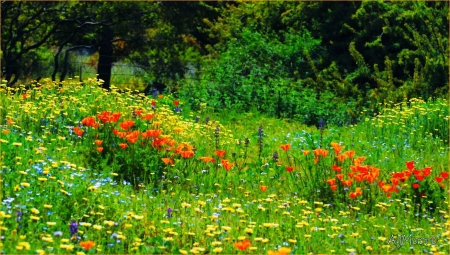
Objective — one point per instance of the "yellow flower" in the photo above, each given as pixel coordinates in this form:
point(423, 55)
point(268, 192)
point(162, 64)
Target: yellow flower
point(51, 223)
point(25, 245)
point(369, 248)
point(217, 250)
point(183, 252)
point(48, 206)
point(381, 238)
point(25, 184)
point(98, 227)
point(34, 217)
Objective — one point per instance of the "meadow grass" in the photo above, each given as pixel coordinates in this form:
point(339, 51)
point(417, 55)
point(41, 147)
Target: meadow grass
point(86, 171)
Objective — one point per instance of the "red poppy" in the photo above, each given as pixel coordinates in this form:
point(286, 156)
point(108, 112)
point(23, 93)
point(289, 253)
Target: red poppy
point(242, 245)
point(100, 149)
point(285, 147)
point(426, 171)
point(415, 185)
point(420, 177)
point(263, 188)
point(444, 175)
point(220, 153)
point(87, 244)
point(176, 102)
point(289, 168)
point(337, 168)
point(153, 103)
point(410, 165)
point(439, 179)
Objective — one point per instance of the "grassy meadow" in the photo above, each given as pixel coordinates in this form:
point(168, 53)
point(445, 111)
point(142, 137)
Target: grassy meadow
point(86, 171)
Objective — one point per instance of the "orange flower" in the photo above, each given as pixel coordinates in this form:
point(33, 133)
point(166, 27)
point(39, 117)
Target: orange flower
point(100, 149)
point(333, 187)
point(285, 147)
point(167, 161)
point(126, 124)
point(350, 154)
point(227, 165)
point(347, 183)
point(331, 181)
point(337, 148)
point(147, 116)
point(242, 245)
point(123, 145)
point(220, 153)
point(289, 168)
point(336, 168)
point(187, 154)
point(87, 245)
point(98, 142)
point(306, 152)
point(6, 131)
point(78, 131)
point(138, 112)
point(263, 188)
point(320, 152)
point(89, 121)
point(357, 161)
point(206, 159)
point(340, 176)
point(341, 157)
point(25, 96)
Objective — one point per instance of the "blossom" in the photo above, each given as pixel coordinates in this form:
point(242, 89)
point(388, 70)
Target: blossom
point(87, 244)
point(263, 188)
point(336, 168)
point(410, 165)
point(126, 124)
point(289, 168)
point(78, 131)
point(167, 161)
point(227, 165)
point(176, 102)
point(100, 149)
point(220, 153)
point(337, 148)
point(98, 142)
point(73, 228)
point(415, 185)
point(123, 145)
point(285, 147)
point(444, 175)
point(242, 245)
point(305, 152)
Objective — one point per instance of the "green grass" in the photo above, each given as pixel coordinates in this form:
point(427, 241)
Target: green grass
point(51, 177)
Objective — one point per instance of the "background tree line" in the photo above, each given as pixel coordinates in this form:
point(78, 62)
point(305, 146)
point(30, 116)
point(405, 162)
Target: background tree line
point(303, 60)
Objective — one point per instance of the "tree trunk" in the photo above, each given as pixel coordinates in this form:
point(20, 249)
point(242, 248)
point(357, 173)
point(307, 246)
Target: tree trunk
point(106, 58)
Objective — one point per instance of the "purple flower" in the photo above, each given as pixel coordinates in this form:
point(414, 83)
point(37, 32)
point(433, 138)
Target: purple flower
point(169, 210)
point(275, 157)
point(19, 215)
point(197, 119)
point(206, 120)
point(73, 228)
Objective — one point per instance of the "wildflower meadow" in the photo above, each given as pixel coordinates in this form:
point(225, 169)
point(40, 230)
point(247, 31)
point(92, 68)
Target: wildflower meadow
point(85, 170)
